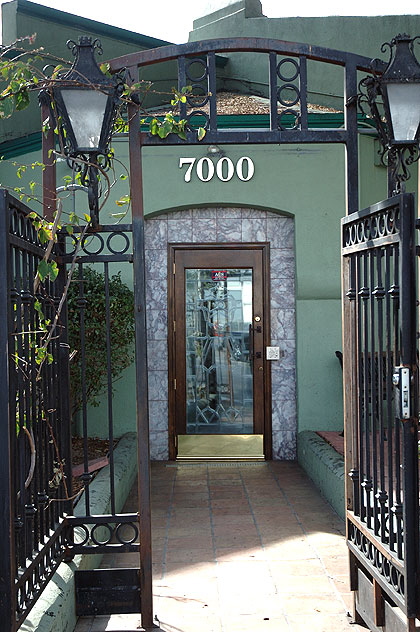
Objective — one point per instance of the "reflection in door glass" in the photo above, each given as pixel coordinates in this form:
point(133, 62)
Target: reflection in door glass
point(218, 359)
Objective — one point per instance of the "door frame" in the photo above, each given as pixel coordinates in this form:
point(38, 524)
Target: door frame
point(264, 248)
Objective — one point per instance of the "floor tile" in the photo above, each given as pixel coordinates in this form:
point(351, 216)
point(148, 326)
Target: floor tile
point(241, 548)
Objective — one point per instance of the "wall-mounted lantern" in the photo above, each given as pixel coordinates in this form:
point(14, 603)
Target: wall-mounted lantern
point(393, 97)
point(84, 103)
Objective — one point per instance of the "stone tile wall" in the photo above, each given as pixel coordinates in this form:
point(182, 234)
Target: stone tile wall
point(222, 225)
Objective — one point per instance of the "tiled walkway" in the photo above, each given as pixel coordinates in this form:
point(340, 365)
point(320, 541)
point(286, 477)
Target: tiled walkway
point(241, 548)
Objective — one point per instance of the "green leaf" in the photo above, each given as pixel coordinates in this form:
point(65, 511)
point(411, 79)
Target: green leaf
point(44, 234)
point(105, 67)
point(165, 129)
point(38, 308)
point(154, 127)
point(73, 218)
point(53, 270)
point(43, 269)
point(6, 108)
point(201, 132)
point(87, 217)
point(125, 199)
point(21, 100)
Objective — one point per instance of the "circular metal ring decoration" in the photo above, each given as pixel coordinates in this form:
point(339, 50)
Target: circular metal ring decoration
point(288, 60)
point(191, 63)
point(360, 232)
point(292, 113)
point(96, 540)
point(124, 539)
point(195, 99)
point(87, 243)
point(71, 532)
point(198, 113)
point(289, 102)
point(391, 221)
point(118, 251)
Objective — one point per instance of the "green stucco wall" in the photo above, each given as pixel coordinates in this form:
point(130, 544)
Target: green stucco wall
point(306, 182)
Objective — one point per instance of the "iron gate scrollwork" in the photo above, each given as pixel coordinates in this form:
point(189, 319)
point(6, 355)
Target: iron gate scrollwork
point(38, 521)
point(381, 402)
point(35, 437)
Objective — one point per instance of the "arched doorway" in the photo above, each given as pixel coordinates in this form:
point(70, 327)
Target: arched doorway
point(206, 239)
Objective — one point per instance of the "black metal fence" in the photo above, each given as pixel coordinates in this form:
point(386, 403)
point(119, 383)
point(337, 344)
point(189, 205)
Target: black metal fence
point(380, 368)
point(37, 519)
point(35, 436)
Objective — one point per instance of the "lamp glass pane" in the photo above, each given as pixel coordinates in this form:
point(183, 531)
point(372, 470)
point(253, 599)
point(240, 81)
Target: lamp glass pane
point(404, 105)
point(86, 109)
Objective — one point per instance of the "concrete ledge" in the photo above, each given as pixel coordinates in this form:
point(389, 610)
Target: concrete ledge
point(55, 610)
point(324, 466)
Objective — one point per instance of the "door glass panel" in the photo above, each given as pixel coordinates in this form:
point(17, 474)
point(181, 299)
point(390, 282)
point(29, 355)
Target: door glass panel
point(219, 384)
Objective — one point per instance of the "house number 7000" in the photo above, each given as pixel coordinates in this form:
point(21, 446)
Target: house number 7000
point(224, 169)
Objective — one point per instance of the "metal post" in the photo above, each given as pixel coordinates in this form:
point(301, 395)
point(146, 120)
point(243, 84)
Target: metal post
point(409, 426)
point(49, 173)
point(352, 159)
point(141, 368)
point(7, 558)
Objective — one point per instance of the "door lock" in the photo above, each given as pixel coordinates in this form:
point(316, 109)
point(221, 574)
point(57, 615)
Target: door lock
point(402, 379)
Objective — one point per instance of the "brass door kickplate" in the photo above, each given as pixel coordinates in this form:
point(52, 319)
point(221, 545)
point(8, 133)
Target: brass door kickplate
point(220, 447)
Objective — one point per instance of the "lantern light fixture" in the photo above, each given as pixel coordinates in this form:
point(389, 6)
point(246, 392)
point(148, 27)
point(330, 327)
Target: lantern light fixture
point(84, 104)
point(393, 97)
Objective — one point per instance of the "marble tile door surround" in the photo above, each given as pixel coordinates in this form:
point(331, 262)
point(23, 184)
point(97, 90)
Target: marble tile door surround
point(224, 225)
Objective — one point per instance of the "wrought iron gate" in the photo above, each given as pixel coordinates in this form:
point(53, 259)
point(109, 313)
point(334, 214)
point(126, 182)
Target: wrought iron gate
point(34, 450)
point(36, 504)
point(381, 411)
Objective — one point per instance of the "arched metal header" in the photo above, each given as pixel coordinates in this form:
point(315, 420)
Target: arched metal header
point(288, 88)
point(288, 94)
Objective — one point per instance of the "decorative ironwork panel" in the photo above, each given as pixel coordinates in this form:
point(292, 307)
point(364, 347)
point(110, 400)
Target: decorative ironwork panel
point(288, 87)
point(97, 254)
point(378, 247)
point(200, 74)
point(35, 426)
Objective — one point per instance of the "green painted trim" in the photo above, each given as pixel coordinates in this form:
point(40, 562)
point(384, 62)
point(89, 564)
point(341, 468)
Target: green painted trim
point(318, 120)
point(33, 142)
point(73, 21)
point(23, 145)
